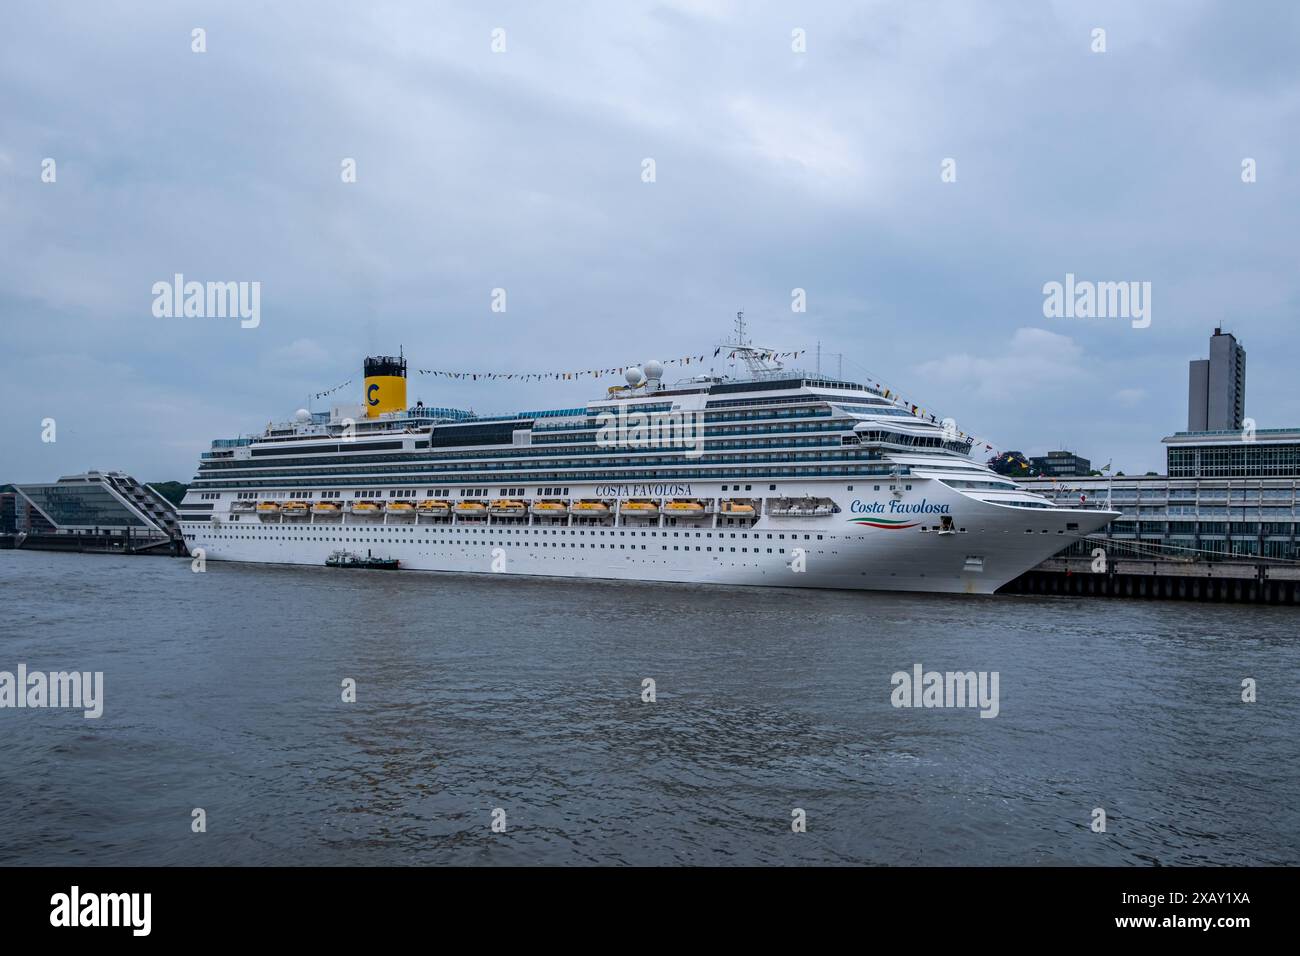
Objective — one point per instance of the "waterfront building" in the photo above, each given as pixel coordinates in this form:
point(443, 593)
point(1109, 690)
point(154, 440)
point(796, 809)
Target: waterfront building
point(1216, 388)
point(1060, 464)
point(8, 509)
point(1225, 494)
point(1228, 491)
point(95, 503)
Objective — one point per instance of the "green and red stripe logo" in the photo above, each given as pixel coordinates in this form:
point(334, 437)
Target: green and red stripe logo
point(888, 524)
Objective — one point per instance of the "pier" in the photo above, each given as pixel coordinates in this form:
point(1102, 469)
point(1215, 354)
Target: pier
point(92, 543)
point(1233, 582)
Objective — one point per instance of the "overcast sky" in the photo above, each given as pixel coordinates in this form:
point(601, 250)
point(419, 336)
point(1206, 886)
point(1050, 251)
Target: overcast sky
point(522, 170)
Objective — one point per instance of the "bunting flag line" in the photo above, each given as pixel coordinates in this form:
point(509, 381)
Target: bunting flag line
point(585, 373)
point(331, 391)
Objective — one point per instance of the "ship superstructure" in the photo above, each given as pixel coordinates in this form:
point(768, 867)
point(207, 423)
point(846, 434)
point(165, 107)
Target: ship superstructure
point(771, 478)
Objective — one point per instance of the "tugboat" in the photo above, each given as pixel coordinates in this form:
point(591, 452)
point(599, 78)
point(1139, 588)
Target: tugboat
point(346, 559)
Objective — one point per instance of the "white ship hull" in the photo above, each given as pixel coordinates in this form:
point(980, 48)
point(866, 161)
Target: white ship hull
point(989, 545)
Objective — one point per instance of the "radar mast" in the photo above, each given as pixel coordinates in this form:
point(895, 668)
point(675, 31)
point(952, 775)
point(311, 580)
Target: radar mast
point(761, 362)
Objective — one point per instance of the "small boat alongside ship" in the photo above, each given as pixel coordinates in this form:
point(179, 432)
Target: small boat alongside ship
point(349, 559)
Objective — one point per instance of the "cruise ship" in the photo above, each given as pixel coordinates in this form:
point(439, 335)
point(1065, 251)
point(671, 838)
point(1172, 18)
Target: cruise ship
point(766, 477)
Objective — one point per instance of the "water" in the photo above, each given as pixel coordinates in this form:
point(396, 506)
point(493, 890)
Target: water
point(222, 691)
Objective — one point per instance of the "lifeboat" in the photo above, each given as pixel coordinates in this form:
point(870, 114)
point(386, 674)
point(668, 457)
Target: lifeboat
point(365, 508)
point(507, 508)
point(550, 509)
point(433, 508)
point(684, 508)
point(326, 509)
point(471, 509)
point(268, 509)
point(295, 509)
point(741, 509)
point(242, 506)
point(589, 508)
point(640, 509)
point(401, 509)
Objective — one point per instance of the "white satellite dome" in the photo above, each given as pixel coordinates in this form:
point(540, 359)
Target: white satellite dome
point(302, 415)
point(633, 376)
point(654, 369)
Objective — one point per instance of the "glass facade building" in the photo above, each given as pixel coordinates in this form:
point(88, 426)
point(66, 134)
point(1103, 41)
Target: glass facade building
point(104, 503)
point(1227, 495)
point(1234, 453)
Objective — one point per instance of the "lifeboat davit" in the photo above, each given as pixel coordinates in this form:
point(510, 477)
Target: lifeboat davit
point(804, 507)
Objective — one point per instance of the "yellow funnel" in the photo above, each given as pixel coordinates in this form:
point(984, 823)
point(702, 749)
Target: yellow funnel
point(385, 385)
